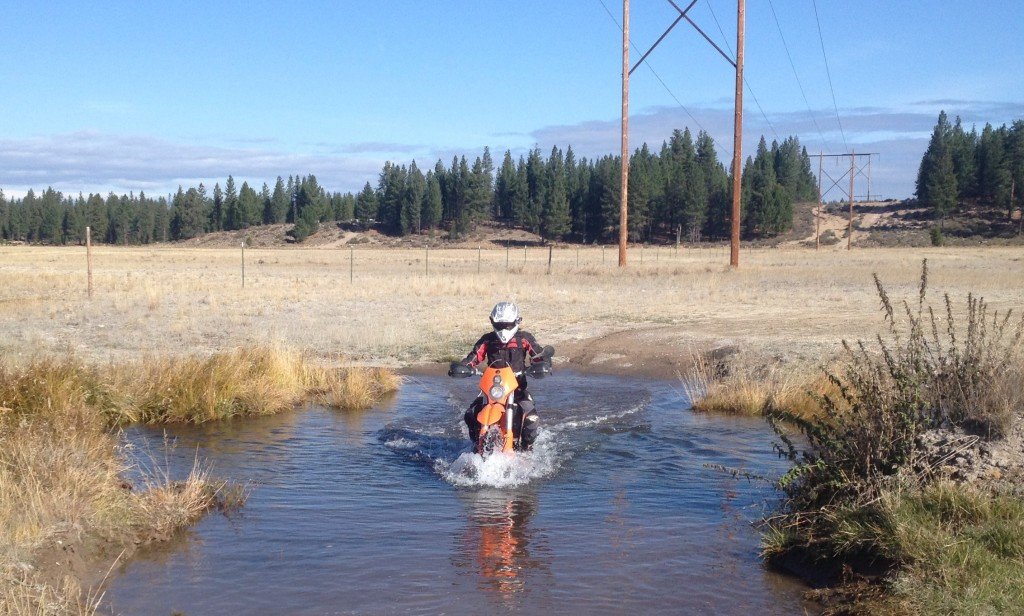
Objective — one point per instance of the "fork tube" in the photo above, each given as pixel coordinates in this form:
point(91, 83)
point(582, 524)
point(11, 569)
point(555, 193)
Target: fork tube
point(509, 433)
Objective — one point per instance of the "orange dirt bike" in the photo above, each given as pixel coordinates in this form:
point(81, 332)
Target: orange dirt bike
point(498, 385)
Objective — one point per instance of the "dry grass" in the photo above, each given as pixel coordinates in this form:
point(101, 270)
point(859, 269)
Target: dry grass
point(61, 470)
point(243, 382)
point(747, 388)
point(61, 484)
point(184, 301)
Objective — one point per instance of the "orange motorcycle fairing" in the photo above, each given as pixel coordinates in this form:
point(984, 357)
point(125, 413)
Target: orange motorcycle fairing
point(490, 414)
point(497, 384)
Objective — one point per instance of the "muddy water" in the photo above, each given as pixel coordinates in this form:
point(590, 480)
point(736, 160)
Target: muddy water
point(386, 512)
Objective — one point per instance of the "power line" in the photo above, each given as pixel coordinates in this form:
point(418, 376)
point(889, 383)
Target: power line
point(829, 73)
point(745, 82)
point(795, 74)
point(655, 73)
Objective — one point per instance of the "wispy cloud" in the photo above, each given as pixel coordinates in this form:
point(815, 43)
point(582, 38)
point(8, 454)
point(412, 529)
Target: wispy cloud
point(900, 136)
point(92, 161)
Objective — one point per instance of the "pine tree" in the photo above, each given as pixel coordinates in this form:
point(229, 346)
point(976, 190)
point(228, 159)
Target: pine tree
point(432, 205)
point(279, 202)
point(938, 147)
point(504, 186)
point(249, 208)
point(535, 185)
point(555, 216)
point(412, 200)
point(233, 217)
point(942, 189)
point(366, 205)
point(217, 213)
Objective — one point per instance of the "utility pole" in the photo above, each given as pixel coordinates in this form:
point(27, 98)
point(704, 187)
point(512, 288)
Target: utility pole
point(737, 140)
point(855, 169)
point(849, 226)
point(817, 217)
point(623, 210)
point(869, 178)
point(738, 119)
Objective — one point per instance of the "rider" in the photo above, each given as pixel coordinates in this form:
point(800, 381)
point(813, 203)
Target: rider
point(509, 343)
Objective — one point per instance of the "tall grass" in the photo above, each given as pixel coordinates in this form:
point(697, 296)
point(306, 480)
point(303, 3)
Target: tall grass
point(61, 470)
point(753, 389)
point(853, 495)
point(243, 382)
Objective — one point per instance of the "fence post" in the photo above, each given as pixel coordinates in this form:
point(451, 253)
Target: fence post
point(243, 264)
point(479, 258)
point(550, 251)
point(577, 256)
point(426, 261)
point(351, 263)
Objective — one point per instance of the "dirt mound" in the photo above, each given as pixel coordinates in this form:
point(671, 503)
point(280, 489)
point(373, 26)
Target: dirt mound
point(336, 235)
point(964, 457)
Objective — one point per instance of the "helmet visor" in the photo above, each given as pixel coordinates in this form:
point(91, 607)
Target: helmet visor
point(504, 325)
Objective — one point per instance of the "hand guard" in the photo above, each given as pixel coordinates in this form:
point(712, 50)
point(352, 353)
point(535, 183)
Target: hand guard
point(460, 370)
point(540, 368)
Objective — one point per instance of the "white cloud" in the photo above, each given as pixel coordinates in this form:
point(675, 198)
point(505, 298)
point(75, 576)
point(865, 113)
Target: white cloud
point(900, 136)
point(90, 161)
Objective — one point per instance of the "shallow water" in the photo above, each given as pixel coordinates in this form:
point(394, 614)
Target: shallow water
point(387, 512)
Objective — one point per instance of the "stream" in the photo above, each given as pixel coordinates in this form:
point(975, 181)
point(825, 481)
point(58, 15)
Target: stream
point(618, 509)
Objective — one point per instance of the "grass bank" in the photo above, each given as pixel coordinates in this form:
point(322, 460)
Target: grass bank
point(64, 503)
point(755, 387)
point(870, 501)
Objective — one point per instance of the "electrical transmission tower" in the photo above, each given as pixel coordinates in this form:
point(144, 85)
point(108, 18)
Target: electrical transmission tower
point(855, 170)
point(734, 253)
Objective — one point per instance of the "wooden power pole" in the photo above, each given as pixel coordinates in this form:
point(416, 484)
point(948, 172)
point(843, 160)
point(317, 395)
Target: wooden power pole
point(623, 208)
point(737, 140)
point(817, 217)
point(849, 225)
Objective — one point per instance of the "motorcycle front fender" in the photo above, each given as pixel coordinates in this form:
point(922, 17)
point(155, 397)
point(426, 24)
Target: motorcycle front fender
point(491, 414)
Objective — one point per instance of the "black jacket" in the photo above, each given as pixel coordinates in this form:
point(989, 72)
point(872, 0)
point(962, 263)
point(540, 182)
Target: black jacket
point(490, 348)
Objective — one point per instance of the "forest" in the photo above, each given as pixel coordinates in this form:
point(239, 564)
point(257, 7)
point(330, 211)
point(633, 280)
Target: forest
point(681, 191)
point(962, 168)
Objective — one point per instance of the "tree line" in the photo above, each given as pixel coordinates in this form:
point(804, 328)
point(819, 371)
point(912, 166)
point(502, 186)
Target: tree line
point(681, 190)
point(959, 167)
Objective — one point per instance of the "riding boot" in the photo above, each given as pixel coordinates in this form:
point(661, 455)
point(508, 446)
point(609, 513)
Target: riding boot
point(471, 422)
point(528, 423)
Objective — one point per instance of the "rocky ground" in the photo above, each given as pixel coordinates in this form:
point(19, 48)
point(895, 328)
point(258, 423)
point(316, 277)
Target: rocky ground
point(969, 458)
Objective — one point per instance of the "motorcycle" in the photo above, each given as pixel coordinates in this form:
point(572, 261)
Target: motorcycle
point(498, 385)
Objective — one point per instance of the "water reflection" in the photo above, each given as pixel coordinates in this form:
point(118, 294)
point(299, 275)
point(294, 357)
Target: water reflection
point(497, 542)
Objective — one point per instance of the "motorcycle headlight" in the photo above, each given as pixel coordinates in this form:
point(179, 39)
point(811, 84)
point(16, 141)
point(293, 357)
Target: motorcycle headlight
point(497, 392)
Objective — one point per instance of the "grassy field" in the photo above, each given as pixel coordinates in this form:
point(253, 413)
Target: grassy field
point(182, 318)
point(409, 306)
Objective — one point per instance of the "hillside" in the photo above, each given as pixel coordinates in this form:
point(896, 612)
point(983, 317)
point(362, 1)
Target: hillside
point(876, 223)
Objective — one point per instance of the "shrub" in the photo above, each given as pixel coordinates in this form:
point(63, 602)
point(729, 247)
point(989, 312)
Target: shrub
point(851, 494)
point(965, 373)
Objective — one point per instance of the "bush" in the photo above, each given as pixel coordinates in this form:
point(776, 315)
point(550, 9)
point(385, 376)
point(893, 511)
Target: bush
point(966, 373)
point(936, 236)
point(852, 494)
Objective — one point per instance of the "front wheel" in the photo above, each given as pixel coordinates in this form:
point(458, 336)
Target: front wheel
point(490, 441)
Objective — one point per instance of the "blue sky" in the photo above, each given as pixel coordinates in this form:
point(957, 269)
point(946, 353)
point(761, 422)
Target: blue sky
point(130, 96)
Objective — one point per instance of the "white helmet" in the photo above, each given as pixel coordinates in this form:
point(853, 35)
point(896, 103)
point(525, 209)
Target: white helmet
point(505, 319)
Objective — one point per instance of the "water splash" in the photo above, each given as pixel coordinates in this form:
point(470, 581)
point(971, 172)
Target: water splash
point(447, 452)
point(502, 470)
